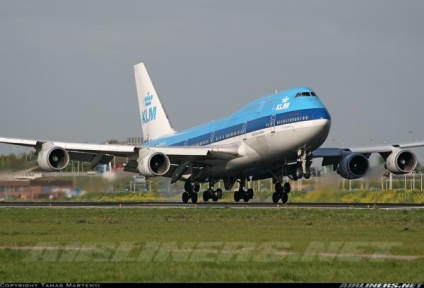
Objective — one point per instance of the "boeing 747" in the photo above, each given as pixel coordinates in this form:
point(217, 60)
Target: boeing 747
point(275, 136)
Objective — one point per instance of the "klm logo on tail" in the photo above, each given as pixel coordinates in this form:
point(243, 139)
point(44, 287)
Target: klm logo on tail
point(149, 113)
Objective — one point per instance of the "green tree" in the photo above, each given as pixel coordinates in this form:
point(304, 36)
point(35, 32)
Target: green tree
point(419, 168)
point(113, 141)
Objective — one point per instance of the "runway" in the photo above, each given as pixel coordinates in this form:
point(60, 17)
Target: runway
point(209, 205)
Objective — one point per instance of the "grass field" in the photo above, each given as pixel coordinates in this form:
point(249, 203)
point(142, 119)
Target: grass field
point(318, 196)
point(211, 245)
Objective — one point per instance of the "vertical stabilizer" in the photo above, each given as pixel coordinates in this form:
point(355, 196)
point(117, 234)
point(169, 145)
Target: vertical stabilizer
point(154, 121)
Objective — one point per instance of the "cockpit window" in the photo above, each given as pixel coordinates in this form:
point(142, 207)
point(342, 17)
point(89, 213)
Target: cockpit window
point(303, 94)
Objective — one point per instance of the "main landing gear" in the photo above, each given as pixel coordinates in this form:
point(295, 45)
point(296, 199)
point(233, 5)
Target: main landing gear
point(191, 190)
point(215, 195)
point(281, 192)
point(246, 195)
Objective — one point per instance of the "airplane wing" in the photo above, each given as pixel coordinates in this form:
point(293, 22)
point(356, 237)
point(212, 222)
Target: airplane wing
point(353, 162)
point(172, 161)
point(338, 152)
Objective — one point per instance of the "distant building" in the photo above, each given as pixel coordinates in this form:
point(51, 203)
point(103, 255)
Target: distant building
point(134, 141)
point(33, 189)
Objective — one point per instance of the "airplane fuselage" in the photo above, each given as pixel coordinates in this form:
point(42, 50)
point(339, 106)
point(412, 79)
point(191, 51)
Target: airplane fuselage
point(266, 131)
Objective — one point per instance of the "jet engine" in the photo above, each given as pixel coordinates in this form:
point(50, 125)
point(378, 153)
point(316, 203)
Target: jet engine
point(401, 161)
point(153, 163)
point(52, 158)
point(353, 166)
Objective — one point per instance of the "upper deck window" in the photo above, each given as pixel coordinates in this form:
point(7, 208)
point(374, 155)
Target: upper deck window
point(303, 94)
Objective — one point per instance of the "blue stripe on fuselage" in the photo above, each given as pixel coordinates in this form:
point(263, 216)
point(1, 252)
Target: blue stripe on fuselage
point(255, 116)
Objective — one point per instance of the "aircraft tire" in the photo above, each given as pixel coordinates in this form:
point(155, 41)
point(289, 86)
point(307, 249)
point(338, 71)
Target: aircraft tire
point(237, 196)
point(250, 192)
point(219, 193)
point(194, 197)
point(285, 198)
point(307, 174)
point(188, 187)
point(299, 171)
point(185, 197)
point(206, 196)
point(275, 197)
point(278, 188)
point(286, 188)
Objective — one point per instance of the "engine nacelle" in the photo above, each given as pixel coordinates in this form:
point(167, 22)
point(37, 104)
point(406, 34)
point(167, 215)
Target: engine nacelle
point(52, 158)
point(353, 166)
point(153, 163)
point(401, 162)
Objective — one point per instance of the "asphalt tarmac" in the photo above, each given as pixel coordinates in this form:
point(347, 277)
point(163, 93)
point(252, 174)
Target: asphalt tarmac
point(209, 205)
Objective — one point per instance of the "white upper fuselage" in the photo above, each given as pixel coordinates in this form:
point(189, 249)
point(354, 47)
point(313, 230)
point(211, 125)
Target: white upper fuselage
point(269, 130)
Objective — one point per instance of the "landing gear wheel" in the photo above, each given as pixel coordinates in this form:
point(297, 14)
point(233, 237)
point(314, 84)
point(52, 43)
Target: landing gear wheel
point(250, 193)
point(219, 193)
point(299, 172)
point(307, 174)
point(275, 197)
point(206, 196)
point(237, 196)
point(194, 197)
point(278, 188)
point(286, 188)
point(188, 187)
point(185, 197)
point(284, 198)
point(246, 197)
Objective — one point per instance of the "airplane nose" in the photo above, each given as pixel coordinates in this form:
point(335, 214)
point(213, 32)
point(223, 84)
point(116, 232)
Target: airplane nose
point(321, 114)
point(322, 124)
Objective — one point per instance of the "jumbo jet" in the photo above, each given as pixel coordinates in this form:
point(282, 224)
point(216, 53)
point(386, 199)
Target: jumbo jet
point(276, 136)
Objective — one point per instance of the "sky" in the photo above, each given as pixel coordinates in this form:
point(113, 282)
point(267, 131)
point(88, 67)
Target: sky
point(66, 67)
